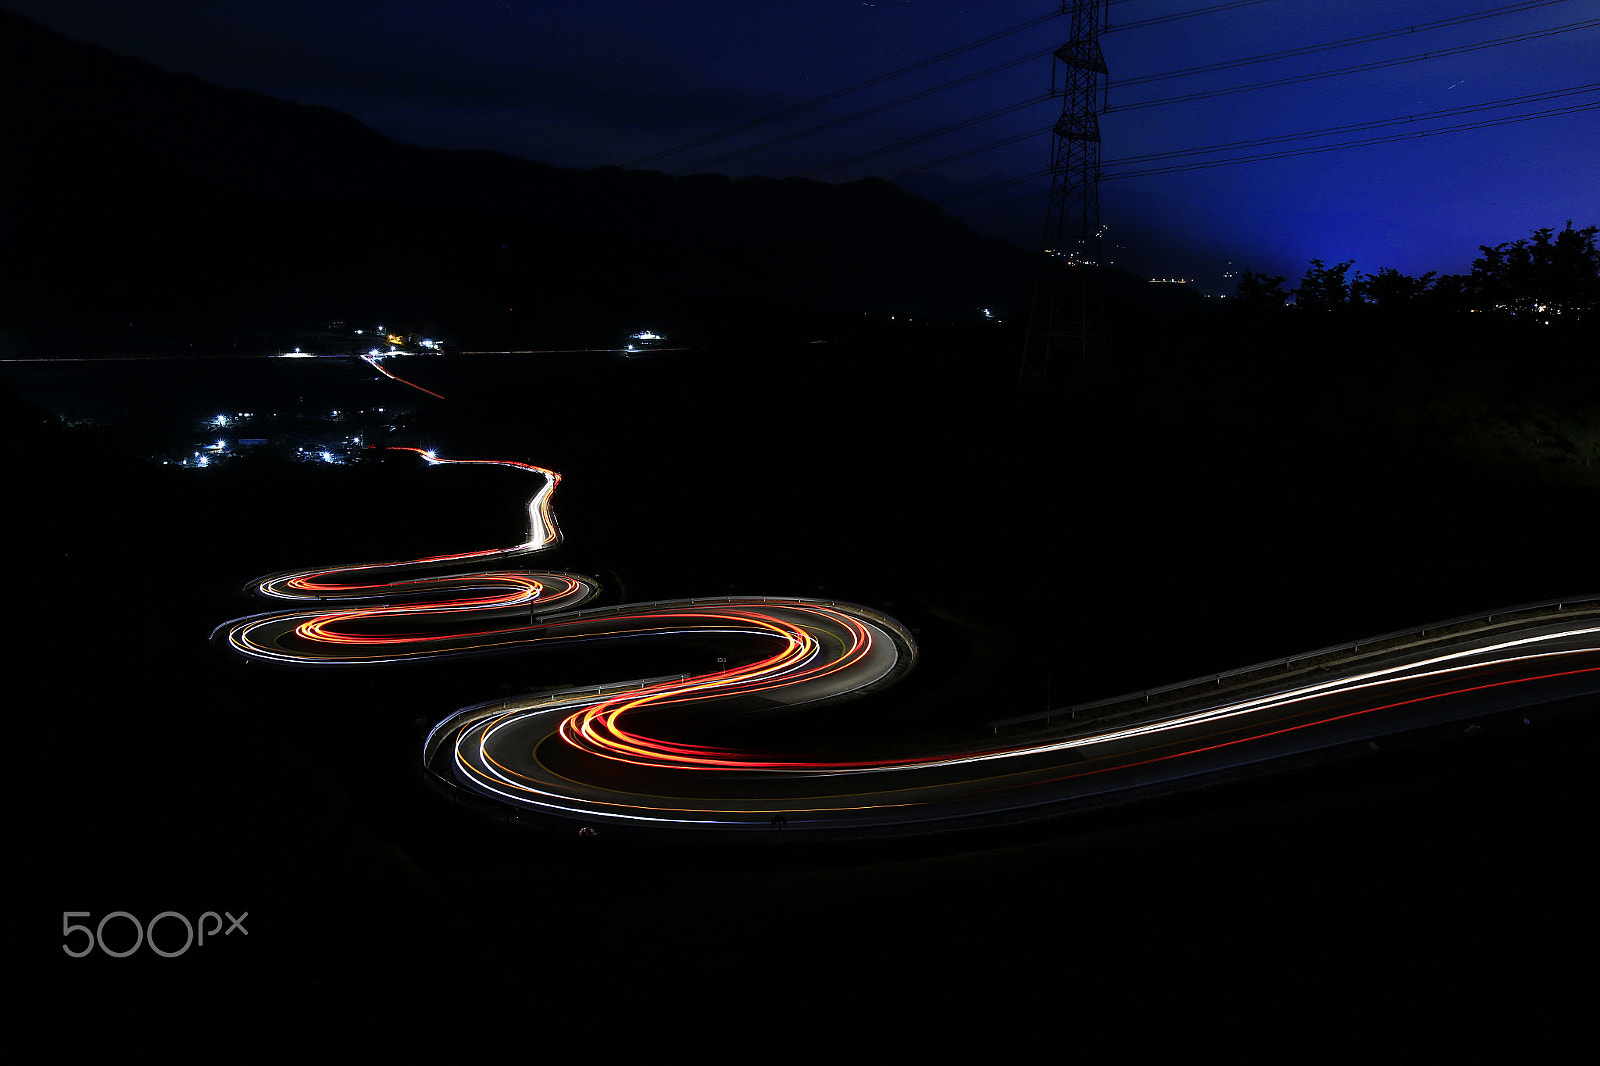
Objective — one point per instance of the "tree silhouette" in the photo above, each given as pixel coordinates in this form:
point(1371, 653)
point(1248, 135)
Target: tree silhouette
point(1324, 287)
point(1449, 294)
point(1390, 290)
point(1261, 292)
point(1553, 275)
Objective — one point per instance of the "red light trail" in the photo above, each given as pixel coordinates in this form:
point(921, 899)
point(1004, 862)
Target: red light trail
point(545, 755)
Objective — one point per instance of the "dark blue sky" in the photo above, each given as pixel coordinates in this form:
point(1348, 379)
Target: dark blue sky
point(599, 82)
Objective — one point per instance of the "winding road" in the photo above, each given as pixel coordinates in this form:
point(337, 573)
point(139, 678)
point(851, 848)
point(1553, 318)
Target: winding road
point(634, 755)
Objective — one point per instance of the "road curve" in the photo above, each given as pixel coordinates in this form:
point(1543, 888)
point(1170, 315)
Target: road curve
point(638, 755)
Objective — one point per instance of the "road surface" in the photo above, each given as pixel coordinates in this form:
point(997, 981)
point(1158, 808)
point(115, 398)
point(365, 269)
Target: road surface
point(634, 755)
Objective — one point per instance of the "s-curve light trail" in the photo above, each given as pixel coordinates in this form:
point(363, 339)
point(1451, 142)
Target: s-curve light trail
point(641, 754)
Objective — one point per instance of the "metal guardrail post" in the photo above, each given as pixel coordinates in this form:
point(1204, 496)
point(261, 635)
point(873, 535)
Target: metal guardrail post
point(1353, 647)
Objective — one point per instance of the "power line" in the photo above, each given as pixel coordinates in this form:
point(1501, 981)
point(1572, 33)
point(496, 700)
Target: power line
point(930, 164)
point(876, 80)
point(1367, 38)
point(1159, 19)
point(773, 37)
point(931, 134)
point(1067, 316)
point(963, 7)
point(863, 113)
point(1211, 67)
point(1509, 101)
point(1410, 135)
point(1359, 68)
point(882, 150)
point(995, 187)
point(1191, 96)
point(1208, 68)
point(1031, 56)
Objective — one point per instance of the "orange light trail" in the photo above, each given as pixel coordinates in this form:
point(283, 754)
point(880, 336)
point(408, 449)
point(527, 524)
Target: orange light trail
point(539, 754)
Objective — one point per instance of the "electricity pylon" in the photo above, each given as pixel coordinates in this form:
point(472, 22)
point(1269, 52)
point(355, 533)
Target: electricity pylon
point(1068, 316)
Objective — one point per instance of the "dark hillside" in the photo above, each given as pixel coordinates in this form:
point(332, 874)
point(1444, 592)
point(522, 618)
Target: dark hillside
point(1236, 489)
point(159, 199)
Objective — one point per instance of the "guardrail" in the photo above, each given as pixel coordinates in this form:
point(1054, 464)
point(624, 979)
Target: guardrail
point(1349, 647)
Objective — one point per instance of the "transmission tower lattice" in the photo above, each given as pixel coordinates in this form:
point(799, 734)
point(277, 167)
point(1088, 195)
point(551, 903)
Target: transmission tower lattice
point(1068, 316)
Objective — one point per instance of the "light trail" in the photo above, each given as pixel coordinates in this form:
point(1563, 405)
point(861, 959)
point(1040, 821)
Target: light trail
point(373, 359)
point(629, 754)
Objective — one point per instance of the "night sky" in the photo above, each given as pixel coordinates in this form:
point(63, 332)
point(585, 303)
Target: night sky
point(1235, 489)
point(617, 82)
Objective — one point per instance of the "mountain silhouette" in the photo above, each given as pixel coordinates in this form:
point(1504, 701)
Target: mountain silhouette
point(141, 196)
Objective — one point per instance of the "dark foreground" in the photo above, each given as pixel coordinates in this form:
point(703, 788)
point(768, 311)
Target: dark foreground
point(160, 776)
